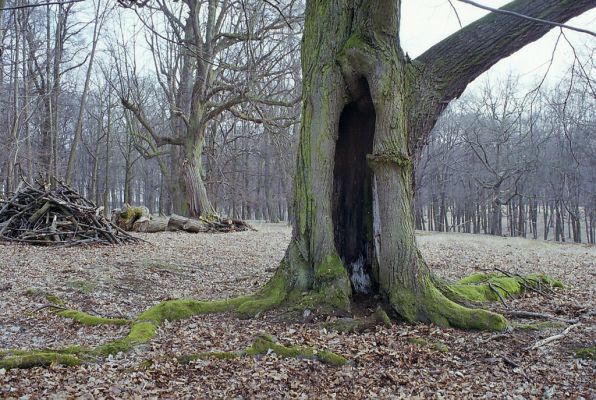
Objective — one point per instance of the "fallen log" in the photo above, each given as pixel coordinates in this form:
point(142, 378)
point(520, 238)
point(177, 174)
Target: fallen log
point(138, 219)
point(156, 224)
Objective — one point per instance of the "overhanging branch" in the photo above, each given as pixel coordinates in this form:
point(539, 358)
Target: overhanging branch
point(518, 15)
point(459, 59)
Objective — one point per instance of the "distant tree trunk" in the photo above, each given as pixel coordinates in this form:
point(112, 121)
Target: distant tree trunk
point(534, 217)
point(272, 212)
point(79, 125)
point(496, 215)
point(192, 180)
point(108, 133)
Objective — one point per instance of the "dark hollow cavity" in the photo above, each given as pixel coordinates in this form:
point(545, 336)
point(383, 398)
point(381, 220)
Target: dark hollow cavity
point(352, 194)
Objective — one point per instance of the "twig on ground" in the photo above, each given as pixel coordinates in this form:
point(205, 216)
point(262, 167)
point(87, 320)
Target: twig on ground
point(550, 339)
point(530, 314)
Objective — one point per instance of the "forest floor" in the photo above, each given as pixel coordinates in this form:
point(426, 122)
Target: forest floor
point(401, 361)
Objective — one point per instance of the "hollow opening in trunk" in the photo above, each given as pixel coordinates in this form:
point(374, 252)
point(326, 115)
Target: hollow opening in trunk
point(352, 190)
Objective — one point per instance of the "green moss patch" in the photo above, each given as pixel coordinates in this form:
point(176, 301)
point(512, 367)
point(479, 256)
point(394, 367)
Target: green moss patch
point(587, 353)
point(481, 288)
point(88, 319)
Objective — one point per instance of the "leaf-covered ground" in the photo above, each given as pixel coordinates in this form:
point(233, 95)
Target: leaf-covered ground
point(403, 361)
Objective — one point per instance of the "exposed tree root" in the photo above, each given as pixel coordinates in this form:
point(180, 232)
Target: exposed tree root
point(482, 288)
point(433, 305)
point(42, 358)
point(529, 314)
point(144, 327)
point(58, 306)
point(88, 319)
point(455, 304)
point(550, 339)
point(351, 325)
point(264, 344)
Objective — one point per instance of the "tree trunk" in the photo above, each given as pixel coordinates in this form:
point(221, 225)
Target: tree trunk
point(366, 114)
point(354, 222)
point(192, 181)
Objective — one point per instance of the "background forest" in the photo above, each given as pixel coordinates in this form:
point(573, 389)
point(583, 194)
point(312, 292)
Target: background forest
point(195, 111)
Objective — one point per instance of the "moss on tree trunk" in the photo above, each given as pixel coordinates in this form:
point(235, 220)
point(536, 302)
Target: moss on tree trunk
point(366, 112)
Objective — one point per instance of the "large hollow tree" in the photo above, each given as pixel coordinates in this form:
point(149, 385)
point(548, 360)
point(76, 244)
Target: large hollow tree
point(367, 111)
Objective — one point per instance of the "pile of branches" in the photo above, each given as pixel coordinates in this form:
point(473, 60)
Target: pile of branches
point(56, 216)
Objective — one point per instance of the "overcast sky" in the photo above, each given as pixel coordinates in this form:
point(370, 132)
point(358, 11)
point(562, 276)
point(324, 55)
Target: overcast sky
point(426, 22)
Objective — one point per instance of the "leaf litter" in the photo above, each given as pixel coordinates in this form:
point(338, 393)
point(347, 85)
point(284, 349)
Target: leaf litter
point(402, 361)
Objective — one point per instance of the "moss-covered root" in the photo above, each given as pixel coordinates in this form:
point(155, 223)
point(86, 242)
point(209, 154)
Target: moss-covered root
point(482, 288)
point(88, 319)
point(38, 359)
point(59, 308)
point(264, 344)
point(351, 325)
point(430, 305)
point(143, 329)
point(42, 358)
point(145, 326)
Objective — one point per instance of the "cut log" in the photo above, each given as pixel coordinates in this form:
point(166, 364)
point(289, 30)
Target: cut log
point(179, 223)
point(157, 224)
point(126, 217)
point(141, 224)
point(176, 222)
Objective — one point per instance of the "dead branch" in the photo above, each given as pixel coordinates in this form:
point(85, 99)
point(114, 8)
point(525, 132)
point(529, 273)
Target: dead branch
point(550, 339)
point(58, 216)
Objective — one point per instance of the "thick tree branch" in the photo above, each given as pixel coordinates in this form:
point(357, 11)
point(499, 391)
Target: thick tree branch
point(159, 140)
point(459, 59)
point(542, 21)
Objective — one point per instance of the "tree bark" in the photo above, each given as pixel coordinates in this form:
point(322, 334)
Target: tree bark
point(366, 112)
point(192, 181)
